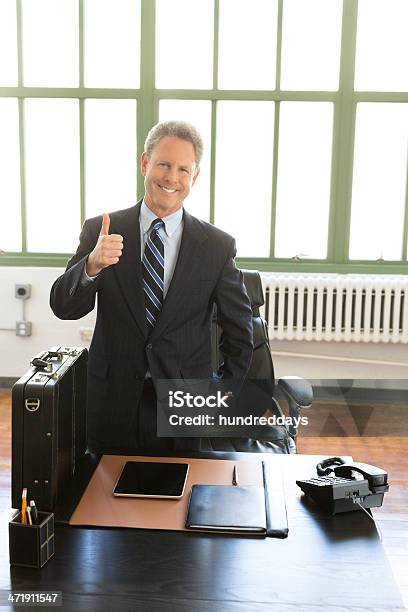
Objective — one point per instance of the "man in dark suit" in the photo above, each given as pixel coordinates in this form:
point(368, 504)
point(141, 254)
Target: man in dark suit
point(156, 272)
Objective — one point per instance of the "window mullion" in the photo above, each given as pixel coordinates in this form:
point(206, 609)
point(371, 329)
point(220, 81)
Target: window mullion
point(214, 108)
point(343, 141)
point(82, 177)
point(216, 43)
point(213, 158)
point(21, 130)
point(81, 112)
point(274, 176)
point(19, 44)
point(276, 130)
point(147, 104)
point(81, 42)
point(279, 46)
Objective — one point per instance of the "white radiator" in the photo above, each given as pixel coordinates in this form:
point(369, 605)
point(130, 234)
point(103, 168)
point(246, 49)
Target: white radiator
point(335, 307)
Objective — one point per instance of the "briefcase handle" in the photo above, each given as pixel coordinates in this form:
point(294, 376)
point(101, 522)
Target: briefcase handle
point(40, 361)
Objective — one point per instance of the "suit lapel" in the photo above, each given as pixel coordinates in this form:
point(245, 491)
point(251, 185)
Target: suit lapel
point(129, 268)
point(187, 262)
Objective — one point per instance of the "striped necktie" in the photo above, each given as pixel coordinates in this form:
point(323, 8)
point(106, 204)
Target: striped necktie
point(153, 273)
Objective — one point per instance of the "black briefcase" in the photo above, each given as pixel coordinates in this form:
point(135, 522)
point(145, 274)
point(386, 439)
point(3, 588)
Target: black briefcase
point(48, 425)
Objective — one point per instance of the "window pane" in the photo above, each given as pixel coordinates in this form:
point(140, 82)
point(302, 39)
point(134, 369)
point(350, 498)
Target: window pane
point(311, 39)
point(52, 174)
point(247, 44)
point(110, 155)
point(243, 183)
point(197, 112)
point(50, 43)
point(303, 190)
point(112, 43)
point(382, 45)
point(8, 43)
point(10, 226)
point(184, 44)
point(380, 165)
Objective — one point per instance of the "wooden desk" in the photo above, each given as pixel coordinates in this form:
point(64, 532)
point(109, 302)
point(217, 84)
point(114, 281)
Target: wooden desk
point(327, 564)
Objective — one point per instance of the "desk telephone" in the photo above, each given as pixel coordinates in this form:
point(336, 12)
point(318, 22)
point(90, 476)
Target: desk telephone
point(352, 487)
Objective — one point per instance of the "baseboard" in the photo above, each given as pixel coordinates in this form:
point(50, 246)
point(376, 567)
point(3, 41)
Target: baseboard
point(7, 382)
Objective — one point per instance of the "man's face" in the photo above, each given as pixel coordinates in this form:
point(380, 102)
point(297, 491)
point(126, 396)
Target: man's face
point(170, 172)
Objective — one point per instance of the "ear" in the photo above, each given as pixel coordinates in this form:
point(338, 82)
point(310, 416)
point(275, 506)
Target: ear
point(196, 173)
point(144, 160)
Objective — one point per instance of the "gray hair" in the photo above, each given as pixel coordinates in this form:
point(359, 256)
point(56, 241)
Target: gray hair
point(175, 129)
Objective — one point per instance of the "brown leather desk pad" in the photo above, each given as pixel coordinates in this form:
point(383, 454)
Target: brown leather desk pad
point(98, 507)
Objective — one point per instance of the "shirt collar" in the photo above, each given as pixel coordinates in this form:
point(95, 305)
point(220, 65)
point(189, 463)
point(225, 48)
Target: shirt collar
point(171, 222)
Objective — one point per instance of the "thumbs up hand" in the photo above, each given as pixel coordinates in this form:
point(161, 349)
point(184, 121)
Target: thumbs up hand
point(107, 250)
point(105, 225)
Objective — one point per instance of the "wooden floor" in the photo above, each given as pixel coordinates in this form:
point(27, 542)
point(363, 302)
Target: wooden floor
point(390, 453)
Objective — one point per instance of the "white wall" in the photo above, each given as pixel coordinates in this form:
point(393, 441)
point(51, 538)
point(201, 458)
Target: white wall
point(48, 331)
point(313, 360)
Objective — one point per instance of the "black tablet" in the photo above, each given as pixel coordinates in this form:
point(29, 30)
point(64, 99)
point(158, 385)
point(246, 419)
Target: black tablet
point(149, 479)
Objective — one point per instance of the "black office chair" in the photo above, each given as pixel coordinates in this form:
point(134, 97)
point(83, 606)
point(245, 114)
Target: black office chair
point(258, 395)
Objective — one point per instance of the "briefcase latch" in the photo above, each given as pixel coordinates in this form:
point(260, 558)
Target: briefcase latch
point(32, 404)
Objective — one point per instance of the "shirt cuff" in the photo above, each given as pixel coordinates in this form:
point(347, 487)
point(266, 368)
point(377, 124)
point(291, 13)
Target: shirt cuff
point(85, 279)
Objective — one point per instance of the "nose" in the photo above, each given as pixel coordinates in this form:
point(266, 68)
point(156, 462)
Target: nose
point(171, 175)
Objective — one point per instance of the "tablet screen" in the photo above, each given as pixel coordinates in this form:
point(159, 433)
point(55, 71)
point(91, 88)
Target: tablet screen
point(148, 479)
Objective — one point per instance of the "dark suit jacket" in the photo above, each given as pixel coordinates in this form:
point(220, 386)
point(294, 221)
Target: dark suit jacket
point(179, 345)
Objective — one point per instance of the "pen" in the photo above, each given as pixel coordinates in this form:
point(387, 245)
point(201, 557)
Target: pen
point(34, 512)
point(29, 515)
point(24, 507)
point(235, 476)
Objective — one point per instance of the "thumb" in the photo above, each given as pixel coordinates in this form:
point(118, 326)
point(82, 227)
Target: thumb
point(105, 225)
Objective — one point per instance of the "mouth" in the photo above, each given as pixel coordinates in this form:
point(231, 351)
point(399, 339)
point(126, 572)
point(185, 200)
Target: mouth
point(166, 189)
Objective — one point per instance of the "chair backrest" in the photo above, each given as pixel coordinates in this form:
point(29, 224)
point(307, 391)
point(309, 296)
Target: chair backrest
point(257, 393)
point(261, 367)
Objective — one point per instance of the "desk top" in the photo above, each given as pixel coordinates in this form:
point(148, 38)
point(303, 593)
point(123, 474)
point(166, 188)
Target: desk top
point(327, 563)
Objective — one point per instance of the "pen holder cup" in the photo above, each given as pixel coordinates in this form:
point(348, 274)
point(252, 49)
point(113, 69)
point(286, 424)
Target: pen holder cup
point(31, 545)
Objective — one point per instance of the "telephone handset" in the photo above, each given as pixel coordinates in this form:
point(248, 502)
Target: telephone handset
point(376, 477)
point(352, 487)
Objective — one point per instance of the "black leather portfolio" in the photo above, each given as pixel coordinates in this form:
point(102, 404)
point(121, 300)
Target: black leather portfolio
point(227, 508)
point(276, 516)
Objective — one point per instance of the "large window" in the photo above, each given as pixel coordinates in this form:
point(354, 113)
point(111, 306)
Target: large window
point(303, 106)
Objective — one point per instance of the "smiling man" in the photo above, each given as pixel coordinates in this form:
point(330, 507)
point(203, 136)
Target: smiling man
point(157, 272)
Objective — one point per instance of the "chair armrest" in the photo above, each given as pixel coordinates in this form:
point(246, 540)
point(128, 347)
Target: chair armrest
point(297, 389)
point(299, 394)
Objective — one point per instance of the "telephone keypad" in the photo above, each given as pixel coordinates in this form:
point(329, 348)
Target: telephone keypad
point(323, 481)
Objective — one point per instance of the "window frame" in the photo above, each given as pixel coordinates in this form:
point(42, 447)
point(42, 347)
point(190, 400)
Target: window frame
point(344, 101)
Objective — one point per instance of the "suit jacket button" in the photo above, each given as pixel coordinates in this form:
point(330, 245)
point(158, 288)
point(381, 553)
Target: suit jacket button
point(149, 346)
